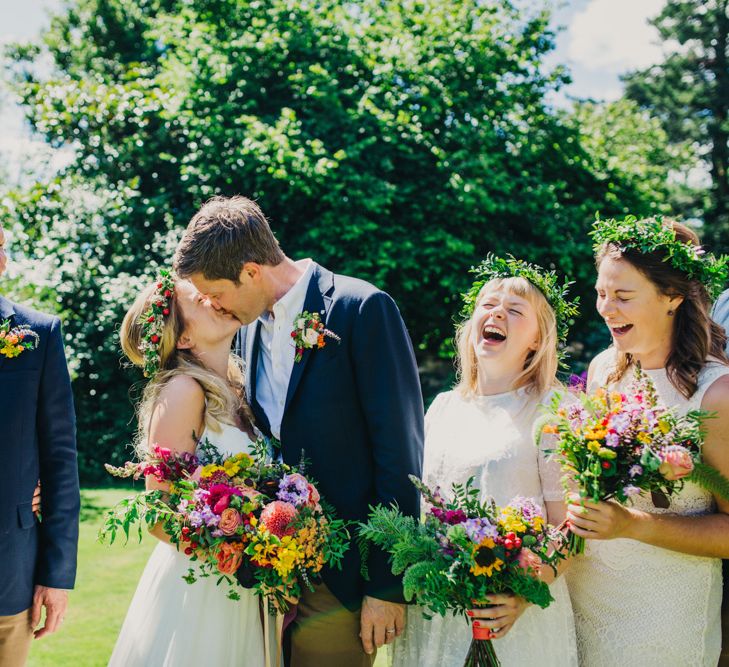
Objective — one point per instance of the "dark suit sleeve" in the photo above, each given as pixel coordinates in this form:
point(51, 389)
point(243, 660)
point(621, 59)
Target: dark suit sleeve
point(389, 392)
point(58, 543)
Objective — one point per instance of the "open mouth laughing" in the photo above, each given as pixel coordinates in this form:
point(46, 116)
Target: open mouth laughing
point(493, 335)
point(619, 330)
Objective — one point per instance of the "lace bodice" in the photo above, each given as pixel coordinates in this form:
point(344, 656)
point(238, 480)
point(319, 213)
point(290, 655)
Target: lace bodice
point(491, 439)
point(636, 604)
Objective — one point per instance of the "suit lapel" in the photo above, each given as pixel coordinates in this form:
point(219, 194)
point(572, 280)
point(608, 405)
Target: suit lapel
point(7, 312)
point(318, 300)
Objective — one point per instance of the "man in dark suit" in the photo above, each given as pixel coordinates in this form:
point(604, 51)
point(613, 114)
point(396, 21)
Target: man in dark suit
point(354, 406)
point(38, 442)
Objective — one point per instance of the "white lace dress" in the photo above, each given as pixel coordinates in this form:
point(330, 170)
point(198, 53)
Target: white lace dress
point(174, 624)
point(491, 439)
point(637, 604)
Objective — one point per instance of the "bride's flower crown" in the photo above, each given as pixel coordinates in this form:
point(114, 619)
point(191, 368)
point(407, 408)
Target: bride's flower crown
point(547, 282)
point(651, 235)
point(153, 322)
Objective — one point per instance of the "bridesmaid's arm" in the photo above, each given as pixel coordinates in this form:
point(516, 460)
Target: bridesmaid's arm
point(703, 535)
point(178, 413)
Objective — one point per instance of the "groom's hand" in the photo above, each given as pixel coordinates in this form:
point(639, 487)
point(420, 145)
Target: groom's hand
point(55, 601)
point(380, 622)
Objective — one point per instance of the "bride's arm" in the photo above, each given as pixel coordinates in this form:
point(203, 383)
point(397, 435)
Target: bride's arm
point(178, 413)
point(704, 535)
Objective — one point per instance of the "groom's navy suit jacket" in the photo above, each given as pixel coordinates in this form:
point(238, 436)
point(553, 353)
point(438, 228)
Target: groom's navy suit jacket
point(38, 442)
point(355, 408)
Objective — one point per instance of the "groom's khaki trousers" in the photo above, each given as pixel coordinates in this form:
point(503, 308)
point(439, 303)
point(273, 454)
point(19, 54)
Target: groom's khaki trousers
point(15, 637)
point(326, 634)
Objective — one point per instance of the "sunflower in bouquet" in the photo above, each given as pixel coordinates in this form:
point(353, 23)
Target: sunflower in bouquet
point(616, 445)
point(244, 519)
point(465, 550)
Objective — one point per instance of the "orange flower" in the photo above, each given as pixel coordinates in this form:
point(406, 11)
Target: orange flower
point(229, 557)
point(550, 428)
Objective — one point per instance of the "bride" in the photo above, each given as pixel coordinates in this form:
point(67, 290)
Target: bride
point(507, 357)
point(195, 387)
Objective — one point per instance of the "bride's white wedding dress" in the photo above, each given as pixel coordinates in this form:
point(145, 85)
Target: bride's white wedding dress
point(174, 624)
point(637, 604)
point(491, 439)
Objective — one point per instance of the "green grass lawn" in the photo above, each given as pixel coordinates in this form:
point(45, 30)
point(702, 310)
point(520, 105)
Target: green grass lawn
point(107, 578)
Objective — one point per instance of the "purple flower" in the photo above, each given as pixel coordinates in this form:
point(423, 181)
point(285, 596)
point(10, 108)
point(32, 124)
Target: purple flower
point(196, 519)
point(217, 533)
point(451, 517)
point(479, 529)
point(612, 440)
point(293, 489)
point(527, 506)
point(209, 517)
point(631, 490)
point(635, 471)
point(578, 382)
point(619, 422)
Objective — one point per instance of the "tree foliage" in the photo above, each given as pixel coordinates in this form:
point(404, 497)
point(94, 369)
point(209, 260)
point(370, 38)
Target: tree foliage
point(395, 141)
point(689, 93)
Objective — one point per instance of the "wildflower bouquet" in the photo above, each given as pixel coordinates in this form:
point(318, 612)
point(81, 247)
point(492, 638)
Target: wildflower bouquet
point(614, 446)
point(464, 551)
point(237, 517)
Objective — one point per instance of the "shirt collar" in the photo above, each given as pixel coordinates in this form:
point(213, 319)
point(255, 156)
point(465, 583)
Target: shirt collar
point(292, 303)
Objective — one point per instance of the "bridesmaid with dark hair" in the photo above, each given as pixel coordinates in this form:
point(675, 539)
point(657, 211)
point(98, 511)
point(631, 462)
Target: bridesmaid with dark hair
point(648, 589)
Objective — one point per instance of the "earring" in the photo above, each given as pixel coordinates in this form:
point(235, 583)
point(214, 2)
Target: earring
point(671, 312)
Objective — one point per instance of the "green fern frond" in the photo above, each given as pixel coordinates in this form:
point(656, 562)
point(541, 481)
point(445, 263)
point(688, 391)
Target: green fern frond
point(710, 479)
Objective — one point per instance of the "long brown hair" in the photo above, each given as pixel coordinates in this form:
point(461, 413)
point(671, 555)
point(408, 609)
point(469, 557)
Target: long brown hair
point(222, 403)
point(695, 337)
point(540, 368)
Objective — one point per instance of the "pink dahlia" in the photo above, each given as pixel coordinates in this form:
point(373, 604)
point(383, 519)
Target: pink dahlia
point(277, 517)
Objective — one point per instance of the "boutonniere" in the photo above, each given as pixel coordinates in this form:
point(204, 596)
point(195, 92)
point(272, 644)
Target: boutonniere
point(309, 332)
point(16, 340)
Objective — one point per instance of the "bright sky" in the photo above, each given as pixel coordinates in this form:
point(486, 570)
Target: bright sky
point(600, 40)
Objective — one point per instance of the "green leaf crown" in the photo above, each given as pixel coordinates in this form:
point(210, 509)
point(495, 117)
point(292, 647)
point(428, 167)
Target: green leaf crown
point(654, 235)
point(153, 321)
point(547, 282)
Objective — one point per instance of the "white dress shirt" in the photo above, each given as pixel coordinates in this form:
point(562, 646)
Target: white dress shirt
point(277, 351)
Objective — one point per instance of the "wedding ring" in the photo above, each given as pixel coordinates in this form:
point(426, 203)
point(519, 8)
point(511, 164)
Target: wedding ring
point(390, 631)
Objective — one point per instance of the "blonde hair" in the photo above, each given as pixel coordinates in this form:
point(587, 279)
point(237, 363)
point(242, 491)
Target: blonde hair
point(540, 368)
point(224, 400)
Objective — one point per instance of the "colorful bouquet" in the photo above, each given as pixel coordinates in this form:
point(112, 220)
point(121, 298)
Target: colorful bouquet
point(239, 517)
point(614, 446)
point(466, 550)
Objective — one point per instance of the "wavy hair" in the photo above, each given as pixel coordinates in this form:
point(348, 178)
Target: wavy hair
point(696, 337)
point(224, 400)
point(540, 367)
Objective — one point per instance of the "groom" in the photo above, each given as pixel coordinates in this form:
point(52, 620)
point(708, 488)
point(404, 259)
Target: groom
point(353, 406)
point(38, 561)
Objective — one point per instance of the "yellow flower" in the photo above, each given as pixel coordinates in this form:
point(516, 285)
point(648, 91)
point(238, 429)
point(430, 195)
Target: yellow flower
point(595, 434)
point(538, 522)
point(643, 438)
point(593, 446)
point(210, 470)
point(616, 398)
point(664, 426)
point(231, 468)
point(485, 560)
point(512, 524)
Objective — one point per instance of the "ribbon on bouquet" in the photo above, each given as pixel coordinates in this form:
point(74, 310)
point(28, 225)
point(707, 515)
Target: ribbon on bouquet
point(273, 643)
